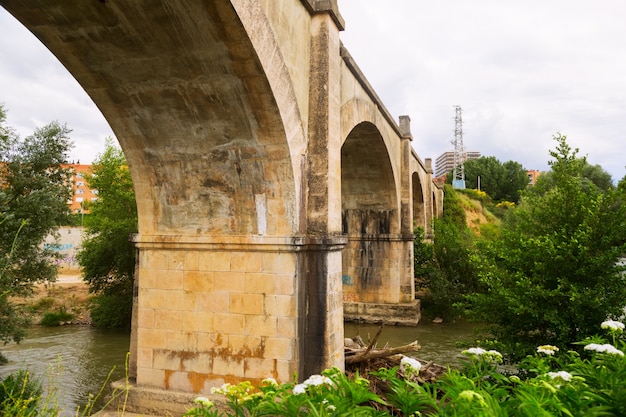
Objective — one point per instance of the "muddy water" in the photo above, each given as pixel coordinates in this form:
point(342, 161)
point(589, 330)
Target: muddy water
point(72, 360)
point(75, 360)
point(439, 342)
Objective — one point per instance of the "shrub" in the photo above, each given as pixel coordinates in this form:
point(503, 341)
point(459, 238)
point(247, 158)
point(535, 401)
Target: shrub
point(55, 318)
point(111, 311)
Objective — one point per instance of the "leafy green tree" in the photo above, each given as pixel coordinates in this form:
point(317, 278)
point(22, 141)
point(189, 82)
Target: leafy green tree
point(34, 191)
point(107, 257)
point(592, 175)
point(553, 273)
point(502, 181)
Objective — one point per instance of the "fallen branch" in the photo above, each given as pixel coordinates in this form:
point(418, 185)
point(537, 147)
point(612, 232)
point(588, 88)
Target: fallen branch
point(370, 353)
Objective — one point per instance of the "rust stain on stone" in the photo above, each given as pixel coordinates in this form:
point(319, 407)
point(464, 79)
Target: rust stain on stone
point(197, 381)
point(166, 378)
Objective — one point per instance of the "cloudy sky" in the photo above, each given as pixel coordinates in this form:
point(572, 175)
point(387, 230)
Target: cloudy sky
point(521, 71)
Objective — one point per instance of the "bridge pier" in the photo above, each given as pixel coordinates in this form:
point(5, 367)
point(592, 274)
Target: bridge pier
point(216, 310)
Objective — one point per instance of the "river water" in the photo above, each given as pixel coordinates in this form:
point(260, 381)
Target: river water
point(75, 360)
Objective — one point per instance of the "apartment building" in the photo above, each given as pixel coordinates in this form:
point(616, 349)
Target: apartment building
point(445, 162)
point(81, 191)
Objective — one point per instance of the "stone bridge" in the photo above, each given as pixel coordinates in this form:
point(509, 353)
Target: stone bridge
point(272, 185)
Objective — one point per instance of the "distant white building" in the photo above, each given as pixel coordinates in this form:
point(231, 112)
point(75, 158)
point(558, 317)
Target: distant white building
point(445, 162)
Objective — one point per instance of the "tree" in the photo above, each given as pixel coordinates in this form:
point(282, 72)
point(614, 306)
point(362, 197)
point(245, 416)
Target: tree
point(592, 175)
point(107, 257)
point(33, 194)
point(443, 267)
point(553, 274)
point(502, 181)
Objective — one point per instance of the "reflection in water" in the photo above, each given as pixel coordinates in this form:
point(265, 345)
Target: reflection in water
point(439, 341)
point(74, 360)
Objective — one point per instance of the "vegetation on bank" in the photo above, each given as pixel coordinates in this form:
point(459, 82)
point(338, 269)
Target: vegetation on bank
point(33, 196)
point(552, 381)
point(547, 274)
point(107, 258)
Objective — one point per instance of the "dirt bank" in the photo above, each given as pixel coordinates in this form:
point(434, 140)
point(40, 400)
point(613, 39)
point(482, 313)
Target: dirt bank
point(69, 294)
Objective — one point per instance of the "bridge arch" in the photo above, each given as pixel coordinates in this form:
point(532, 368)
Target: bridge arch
point(418, 195)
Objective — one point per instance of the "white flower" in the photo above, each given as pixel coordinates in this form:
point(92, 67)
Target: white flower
point(606, 348)
point(299, 389)
point(224, 389)
point(315, 380)
point(475, 351)
point(490, 355)
point(410, 366)
point(547, 349)
point(204, 401)
point(613, 326)
point(565, 376)
point(270, 381)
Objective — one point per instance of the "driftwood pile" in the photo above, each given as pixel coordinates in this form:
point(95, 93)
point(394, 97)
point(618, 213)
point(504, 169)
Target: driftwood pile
point(364, 357)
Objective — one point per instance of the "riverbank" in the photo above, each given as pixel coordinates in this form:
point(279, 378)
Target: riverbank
point(69, 294)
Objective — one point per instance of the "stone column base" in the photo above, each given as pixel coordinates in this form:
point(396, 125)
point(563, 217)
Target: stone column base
point(408, 314)
point(130, 398)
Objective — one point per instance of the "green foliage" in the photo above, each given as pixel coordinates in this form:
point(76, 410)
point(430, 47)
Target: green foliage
point(550, 382)
point(20, 395)
point(107, 257)
point(55, 318)
point(35, 189)
point(443, 268)
point(111, 310)
point(502, 181)
point(553, 271)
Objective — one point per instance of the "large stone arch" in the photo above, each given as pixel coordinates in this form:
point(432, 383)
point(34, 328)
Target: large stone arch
point(191, 106)
point(370, 217)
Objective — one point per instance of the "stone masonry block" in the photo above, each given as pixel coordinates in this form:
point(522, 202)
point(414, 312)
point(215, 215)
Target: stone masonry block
point(181, 341)
point(167, 360)
point(176, 261)
point(228, 365)
point(279, 348)
point(150, 298)
point(151, 377)
point(259, 368)
point(278, 262)
point(246, 303)
point(280, 305)
point(198, 321)
point(260, 283)
point(216, 302)
point(180, 300)
point(145, 317)
point(261, 326)
point(197, 281)
point(229, 281)
point(286, 327)
point(285, 284)
point(246, 262)
point(191, 261)
point(246, 345)
point(151, 338)
point(229, 323)
point(168, 280)
point(144, 358)
point(168, 319)
point(214, 261)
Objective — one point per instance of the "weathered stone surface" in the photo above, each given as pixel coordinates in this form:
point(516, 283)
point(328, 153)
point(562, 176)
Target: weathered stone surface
point(272, 184)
